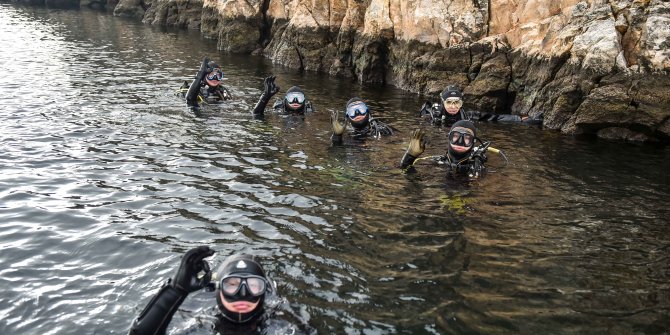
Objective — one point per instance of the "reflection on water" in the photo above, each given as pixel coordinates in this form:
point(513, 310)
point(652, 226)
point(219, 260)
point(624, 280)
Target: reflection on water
point(106, 179)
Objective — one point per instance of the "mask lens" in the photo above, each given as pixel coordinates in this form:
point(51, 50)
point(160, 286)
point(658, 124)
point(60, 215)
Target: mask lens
point(295, 97)
point(231, 285)
point(216, 74)
point(256, 286)
point(455, 138)
point(467, 139)
point(357, 109)
point(452, 102)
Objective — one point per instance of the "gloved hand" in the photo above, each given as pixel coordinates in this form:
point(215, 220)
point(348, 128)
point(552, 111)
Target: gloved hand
point(186, 279)
point(269, 86)
point(417, 144)
point(476, 168)
point(426, 107)
point(338, 128)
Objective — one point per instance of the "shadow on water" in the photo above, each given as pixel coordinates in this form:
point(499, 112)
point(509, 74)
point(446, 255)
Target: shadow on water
point(107, 178)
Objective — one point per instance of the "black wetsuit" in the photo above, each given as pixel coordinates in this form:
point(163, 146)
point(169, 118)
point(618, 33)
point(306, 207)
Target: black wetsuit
point(156, 316)
point(199, 90)
point(279, 107)
point(213, 93)
point(472, 165)
point(374, 128)
point(439, 116)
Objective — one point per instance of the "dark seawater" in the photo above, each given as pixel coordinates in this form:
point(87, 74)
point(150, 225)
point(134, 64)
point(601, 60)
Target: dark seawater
point(106, 178)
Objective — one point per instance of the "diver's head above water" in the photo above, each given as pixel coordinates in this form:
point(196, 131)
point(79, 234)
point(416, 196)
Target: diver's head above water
point(452, 99)
point(294, 100)
point(241, 285)
point(462, 137)
point(214, 74)
point(358, 113)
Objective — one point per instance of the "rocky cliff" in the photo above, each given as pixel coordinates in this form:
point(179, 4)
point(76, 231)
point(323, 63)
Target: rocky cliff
point(591, 67)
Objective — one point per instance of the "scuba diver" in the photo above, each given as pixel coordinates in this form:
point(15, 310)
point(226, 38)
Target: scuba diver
point(206, 86)
point(294, 101)
point(240, 285)
point(358, 115)
point(451, 110)
point(462, 158)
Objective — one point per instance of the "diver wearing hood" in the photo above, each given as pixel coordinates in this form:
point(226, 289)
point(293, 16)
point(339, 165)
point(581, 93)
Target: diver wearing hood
point(294, 101)
point(358, 115)
point(207, 85)
point(462, 158)
point(240, 286)
point(450, 110)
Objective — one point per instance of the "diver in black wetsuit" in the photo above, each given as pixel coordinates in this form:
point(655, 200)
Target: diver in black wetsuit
point(240, 285)
point(206, 86)
point(462, 158)
point(358, 115)
point(294, 101)
point(451, 110)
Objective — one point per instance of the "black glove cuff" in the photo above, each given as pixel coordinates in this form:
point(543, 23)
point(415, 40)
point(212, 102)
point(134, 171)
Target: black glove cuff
point(336, 139)
point(407, 160)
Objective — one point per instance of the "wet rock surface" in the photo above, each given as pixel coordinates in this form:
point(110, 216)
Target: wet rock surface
point(556, 58)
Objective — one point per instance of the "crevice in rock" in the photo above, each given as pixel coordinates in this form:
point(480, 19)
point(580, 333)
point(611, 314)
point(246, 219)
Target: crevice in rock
point(511, 95)
point(300, 57)
point(560, 62)
point(488, 21)
point(265, 26)
point(470, 74)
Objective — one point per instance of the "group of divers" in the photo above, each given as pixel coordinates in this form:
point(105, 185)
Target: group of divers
point(240, 283)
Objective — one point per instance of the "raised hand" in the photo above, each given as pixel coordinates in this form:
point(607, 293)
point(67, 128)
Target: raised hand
point(186, 279)
point(338, 128)
point(269, 86)
point(417, 144)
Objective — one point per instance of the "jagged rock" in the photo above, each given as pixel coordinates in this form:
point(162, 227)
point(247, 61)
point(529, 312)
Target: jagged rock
point(621, 24)
point(488, 92)
point(490, 72)
point(209, 22)
point(655, 37)
point(635, 103)
point(130, 8)
point(239, 34)
point(180, 13)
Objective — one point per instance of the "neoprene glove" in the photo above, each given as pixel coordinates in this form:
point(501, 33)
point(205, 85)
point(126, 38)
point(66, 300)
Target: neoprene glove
point(186, 279)
point(417, 144)
point(338, 128)
point(425, 109)
point(269, 86)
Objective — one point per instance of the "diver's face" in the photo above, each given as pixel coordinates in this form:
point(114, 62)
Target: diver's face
point(358, 114)
point(241, 306)
point(452, 105)
point(295, 100)
point(461, 139)
point(213, 79)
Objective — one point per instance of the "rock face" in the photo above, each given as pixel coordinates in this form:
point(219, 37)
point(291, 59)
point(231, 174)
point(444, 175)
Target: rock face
point(590, 67)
